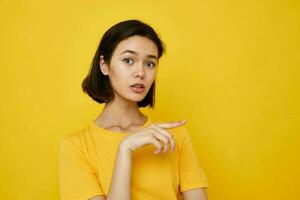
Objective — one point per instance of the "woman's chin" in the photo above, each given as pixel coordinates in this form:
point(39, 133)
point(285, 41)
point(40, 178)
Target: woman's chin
point(137, 97)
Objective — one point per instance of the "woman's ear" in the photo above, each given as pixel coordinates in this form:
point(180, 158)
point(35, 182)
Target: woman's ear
point(103, 66)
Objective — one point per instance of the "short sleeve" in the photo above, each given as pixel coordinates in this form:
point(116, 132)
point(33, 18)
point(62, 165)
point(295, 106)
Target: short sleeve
point(191, 173)
point(77, 178)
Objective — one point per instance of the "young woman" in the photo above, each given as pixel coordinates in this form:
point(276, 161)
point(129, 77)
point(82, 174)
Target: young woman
point(124, 154)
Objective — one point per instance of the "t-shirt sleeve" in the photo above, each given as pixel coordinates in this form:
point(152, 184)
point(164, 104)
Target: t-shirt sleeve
point(77, 178)
point(191, 173)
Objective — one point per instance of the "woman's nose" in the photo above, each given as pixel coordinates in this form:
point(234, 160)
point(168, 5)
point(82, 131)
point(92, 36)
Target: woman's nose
point(140, 70)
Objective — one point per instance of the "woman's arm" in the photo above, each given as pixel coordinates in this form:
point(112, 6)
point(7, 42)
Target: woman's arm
point(121, 179)
point(120, 187)
point(97, 198)
point(120, 184)
point(194, 194)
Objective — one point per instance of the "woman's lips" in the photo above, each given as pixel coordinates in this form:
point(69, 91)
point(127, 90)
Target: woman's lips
point(137, 89)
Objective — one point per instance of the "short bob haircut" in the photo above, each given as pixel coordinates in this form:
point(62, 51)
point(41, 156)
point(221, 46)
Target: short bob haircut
point(96, 84)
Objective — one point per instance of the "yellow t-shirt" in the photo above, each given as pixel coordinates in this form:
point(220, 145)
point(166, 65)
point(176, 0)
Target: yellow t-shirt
point(87, 157)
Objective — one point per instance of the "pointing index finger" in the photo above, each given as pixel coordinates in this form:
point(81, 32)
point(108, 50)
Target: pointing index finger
point(171, 124)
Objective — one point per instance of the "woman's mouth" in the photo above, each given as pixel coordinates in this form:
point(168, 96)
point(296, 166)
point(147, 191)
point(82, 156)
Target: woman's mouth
point(138, 88)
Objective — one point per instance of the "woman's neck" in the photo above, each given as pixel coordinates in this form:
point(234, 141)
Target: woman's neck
point(120, 117)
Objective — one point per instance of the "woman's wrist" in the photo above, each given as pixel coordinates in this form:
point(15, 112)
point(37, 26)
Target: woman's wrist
point(124, 148)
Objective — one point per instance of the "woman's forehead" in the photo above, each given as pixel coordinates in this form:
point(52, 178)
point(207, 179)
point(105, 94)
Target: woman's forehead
point(137, 45)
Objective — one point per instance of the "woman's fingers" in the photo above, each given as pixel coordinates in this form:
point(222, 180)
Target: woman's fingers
point(162, 135)
point(171, 124)
point(157, 135)
point(157, 144)
point(162, 138)
point(165, 136)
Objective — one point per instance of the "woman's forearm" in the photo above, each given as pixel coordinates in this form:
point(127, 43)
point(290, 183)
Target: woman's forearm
point(120, 187)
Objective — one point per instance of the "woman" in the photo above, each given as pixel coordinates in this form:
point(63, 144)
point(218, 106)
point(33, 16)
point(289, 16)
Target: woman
point(123, 154)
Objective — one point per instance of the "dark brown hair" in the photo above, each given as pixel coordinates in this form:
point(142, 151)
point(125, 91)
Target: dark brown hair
point(96, 84)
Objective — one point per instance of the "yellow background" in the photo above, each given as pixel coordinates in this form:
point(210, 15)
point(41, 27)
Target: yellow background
point(231, 70)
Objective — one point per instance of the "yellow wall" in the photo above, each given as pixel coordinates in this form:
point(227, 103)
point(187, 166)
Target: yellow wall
point(231, 70)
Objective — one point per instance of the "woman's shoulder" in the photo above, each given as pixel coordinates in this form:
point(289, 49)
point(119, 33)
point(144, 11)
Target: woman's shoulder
point(76, 137)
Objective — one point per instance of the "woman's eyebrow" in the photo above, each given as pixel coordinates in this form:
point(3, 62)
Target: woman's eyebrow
point(134, 52)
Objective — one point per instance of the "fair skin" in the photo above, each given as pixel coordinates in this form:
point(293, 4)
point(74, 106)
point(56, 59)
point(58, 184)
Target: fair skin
point(123, 114)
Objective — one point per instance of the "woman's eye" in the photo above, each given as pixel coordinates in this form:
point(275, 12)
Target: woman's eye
point(126, 60)
point(153, 64)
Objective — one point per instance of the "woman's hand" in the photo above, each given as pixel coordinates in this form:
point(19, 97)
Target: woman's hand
point(152, 134)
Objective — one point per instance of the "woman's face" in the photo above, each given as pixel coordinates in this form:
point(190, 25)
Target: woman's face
point(134, 61)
